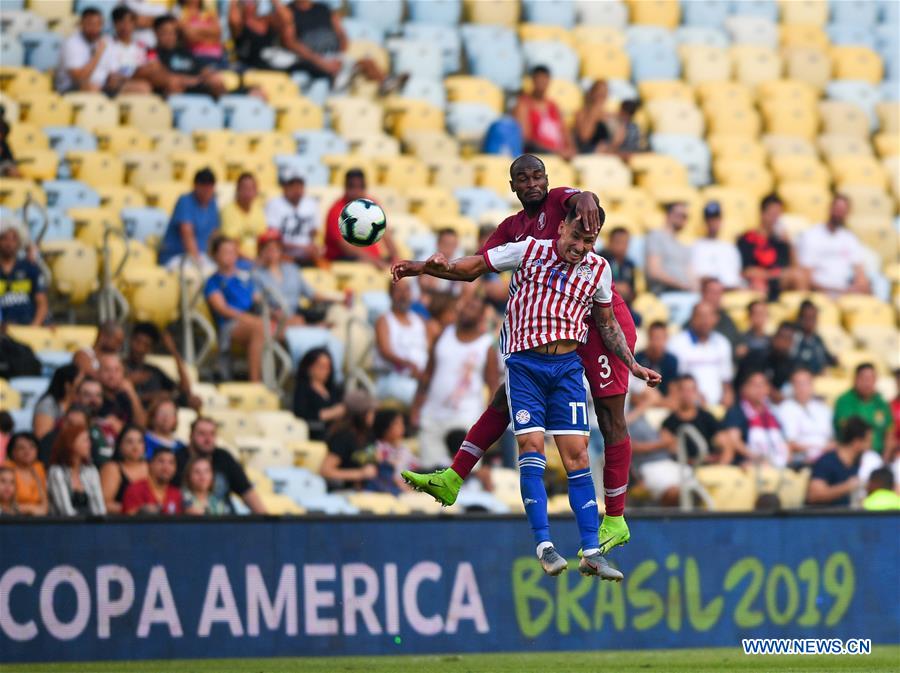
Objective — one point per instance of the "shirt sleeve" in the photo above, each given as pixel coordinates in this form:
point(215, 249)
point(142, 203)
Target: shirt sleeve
point(212, 286)
point(237, 478)
point(58, 488)
point(603, 295)
point(500, 236)
point(726, 368)
point(182, 212)
point(559, 195)
point(508, 256)
point(734, 418)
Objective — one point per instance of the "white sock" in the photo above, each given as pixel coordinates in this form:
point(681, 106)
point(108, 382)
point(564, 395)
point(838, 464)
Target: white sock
point(588, 552)
point(542, 546)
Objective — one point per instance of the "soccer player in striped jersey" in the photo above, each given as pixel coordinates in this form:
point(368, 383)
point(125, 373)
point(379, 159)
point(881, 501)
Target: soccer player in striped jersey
point(555, 283)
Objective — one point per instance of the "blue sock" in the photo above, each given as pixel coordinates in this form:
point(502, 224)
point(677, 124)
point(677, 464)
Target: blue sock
point(534, 495)
point(583, 501)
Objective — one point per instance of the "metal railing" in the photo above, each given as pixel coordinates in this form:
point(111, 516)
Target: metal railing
point(191, 317)
point(273, 352)
point(111, 303)
point(689, 484)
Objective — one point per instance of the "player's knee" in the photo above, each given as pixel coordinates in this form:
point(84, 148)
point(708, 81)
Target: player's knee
point(532, 442)
point(578, 461)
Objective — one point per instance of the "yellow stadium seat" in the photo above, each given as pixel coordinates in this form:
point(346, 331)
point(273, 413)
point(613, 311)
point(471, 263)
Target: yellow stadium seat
point(735, 94)
point(231, 423)
point(865, 310)
point(791, 119)
point(702, 64)
point(452, 173)
point(804, 35)
point(45, 109)
point(129, 255)
point(339, 164)
point(321, 280)
point(38, 339)
point(222, 143)
point(597, 35)
point(433, 203)
point(76, 337)
point(830, 387)
point(654, 169)
point(24, 137)
point(725, 146)
point(492, 172)
point(663, 89)
point(740, 208)
point(887, 144)
point(602, 171)
point(544, 32)
point(754, 64)
point(74, 269)
point(465, 227)
point(359, 277)
point(274, 84)
point(666, 13)
point(856, 170)
point(844, 118)
point(783, 91)
point(145, 112)
point(868, 200)
point(271, 143)
point(116, 198)
point(297, 114)
point(836, 338)
point(814, 12)
point(97, 169)
point(732, 120)
point(744, 174)
point(406, 116)
point(829, 313)
point(807, 64)
point(675, 116)
point(262, 167)
point(859, 63)
point(849, 360)
point(163, 195)
point(888, 116)
point(249, 396)
point(186, 164)
point(559, 171)
point(877, 233)
point(499, 12)
point(650, 308)
point(10, 398)
point(10, 106)
point(604, 62)
point(833, 145)
point(354, 117)
point(402, 172)
point(376, 145)
point(383, 504)
point(788, 145)
point(881, 339)
point(168, 141)
point(633, 203)
point(891, 166)
point(92, 223)
point(15, 192)
point(17, 81)
point(93, 110)
point(120, 139)
point(811, 201)
point(38, 164)
point(432, 147)
point(800, 168)
point(309, 454)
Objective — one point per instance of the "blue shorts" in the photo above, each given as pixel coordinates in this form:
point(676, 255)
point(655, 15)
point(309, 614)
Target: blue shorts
point(546, 393)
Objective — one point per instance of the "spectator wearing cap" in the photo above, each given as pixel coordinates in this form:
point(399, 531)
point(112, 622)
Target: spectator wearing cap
point(243, 219)
point(23, 289)
point(864, 400)
point(336, 248)
point(835, 477)
point(351, 461)
point(195, 218)
point(296, 217)
point(712, 258)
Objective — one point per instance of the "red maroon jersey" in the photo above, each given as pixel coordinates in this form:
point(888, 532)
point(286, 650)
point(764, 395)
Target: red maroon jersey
point(544, 225)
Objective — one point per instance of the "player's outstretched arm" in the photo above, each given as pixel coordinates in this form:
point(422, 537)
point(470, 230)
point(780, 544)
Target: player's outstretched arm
point(612, 336)
point(464, 268)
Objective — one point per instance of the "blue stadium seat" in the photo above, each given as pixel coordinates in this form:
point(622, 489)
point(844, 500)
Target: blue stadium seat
point(418, 58)
point(330, 503)
point(473, 201)
point(361, 30)
point(422, 244)
point(469, 121)
point(318, 143)
point(22, 418)
point(51, 361)
point(854, 12)
point(65, 194)
point(247, 113)
point(143, 223)
point(887, 40)
point(621, 89)
point(481, 501)
point(477, 36)
point(429, 90)
point(69, 139)
point(377, 303)
point(702, 35)
point(437, 12)
point(613, 13)
point(41, 49)
point(16, 22)
point(385, 13)
point(688, 150)
point(711, 13)
point(12, 52)
point(105, 6)
point(654, 62)
point(752, 30)
point(558, 57)
point(59, 225)
point(191, 112)
point(30, 389)
point(863, 94)
point(766, 9)
point(296, 483)
point(300, 340)
point(890, 89)
point(852, 34)
point(500, 64)
point(638, 38)
point(314, 172)
point(556, 13)
point(13, 5)
point(889, 12)
point(446, 37)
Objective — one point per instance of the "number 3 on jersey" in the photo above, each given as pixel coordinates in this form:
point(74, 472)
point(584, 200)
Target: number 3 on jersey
point(605, 369)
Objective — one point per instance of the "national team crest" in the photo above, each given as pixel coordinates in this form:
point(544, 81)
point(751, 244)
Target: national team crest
point(542, 221)
point(584, 272)
point(522, 417)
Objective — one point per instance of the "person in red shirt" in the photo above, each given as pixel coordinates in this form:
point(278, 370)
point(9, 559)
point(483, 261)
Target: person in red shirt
point(336, 248)
point(155, 494)
point(542, 122)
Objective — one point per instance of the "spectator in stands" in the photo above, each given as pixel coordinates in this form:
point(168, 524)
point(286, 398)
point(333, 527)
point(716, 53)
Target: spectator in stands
point(162, 421)
point(656, 356)
point(592, 132)
point(8, 505)
point(627, 139)
point(864, 401)
point(541, 120)
point(8, 166)
point(82, 54)
point(441, 310)
point(880, 489)
point(256, 37)
point(775, 362)
point(711, 291)
point(448, 246)
point(623, 269)
point(391, 456)
point(808, 349)
point(832, 254)
point(156, 494)
point(23, 288)
point(120, 399)
point(88, 400)
point(110, 339)
point(59, 397)
point(712, 258)
point(197, 489)
point(228, 475)
point(128, 466)
point(766, 256)
point(835, 480)
point(201, 33)
point(688, 412)
point(149, 381)
point(317, 398)
point(750, 430)
point(296, 216)
point(706, 355)
point(29, 475)
point(350, 461)
point(178, 70)
point(125, 60)
point(755, 338)
point(336, 248)
point(450, 396)
point(74, 482)
point(231, 293)
point(145, 12)
point(244, 219)
point(668, 263)
point(194, 220)
point(805, 420)
point(401, 347)
point(661, 475)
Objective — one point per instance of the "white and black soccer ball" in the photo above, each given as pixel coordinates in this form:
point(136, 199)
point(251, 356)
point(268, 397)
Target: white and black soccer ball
point(362, 223)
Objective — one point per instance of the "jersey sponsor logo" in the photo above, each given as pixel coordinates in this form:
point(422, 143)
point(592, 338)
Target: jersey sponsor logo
point(542, 221)
point(522, 416)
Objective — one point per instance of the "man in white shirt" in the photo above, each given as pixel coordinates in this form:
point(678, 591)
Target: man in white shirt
point(834, 255)
point(711, 258)
point(81, 56)
point(125, 60)
point(297, 218)
point(706, 355)
point(401, 347)
point(805, 421)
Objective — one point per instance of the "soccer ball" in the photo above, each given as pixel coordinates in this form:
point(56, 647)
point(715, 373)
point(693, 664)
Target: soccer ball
point(362, 223)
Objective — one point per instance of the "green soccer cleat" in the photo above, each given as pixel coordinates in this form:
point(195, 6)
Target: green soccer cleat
point(613, 532)
point(442, 485)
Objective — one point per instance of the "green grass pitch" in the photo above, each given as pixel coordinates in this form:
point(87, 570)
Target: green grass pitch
point(718, 660)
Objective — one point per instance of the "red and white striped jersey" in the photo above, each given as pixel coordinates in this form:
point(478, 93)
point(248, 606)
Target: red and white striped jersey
point(548, 297)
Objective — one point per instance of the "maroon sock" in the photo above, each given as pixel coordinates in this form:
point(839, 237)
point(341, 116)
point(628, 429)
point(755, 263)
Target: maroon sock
point(479, 439)
point(615, 476)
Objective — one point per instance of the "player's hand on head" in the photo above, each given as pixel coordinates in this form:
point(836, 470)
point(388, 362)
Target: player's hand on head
point(587, 213)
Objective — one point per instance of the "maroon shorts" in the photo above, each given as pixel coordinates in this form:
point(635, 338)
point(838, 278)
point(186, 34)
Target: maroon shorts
point(606, 373)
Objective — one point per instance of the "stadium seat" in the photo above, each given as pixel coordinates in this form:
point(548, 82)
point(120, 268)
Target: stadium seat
point(502, 64)
point(858, 170)
point(30, 389)
point(302, 339)
point(842, 34)
point(863, 94)
point(613, 13)
point(854, 12)
point(163, 195)
point(147, 225)
point(153, 294)
point(704, 63)
point(93, 110)
point(755, 31)
point(318, 143)
point(790, 119)
point(247, 113)
point(23, 137)
point(355, 117)
point(604, 62)
point(74, 269)
point(436, 12)
point(42, 109)
point(755, 64)
point(499, 12)
point(12, 53)
point(14, 193)
point(652, 170)
point(145, 112)
point(417, 58)
point(835, 145)
point(800, 168)
point(384, 13)
point(468, 122)
point(809, 200)
point(844, 119)
point(744, 174)
point(313, 171)
point(38, 164)
point(191, 112)
point(655, 62)
point(42, 49)
point(812, 66)
point(727, 146)
point(65, 194)
point(814, 12)
point(856, 63)
point(804, 35)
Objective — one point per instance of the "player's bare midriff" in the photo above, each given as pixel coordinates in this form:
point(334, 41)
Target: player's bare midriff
point(560, 347)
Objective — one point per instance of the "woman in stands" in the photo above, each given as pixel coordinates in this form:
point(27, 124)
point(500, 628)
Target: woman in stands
point(162, 419)
point(74, 482)
point(31, 481)
point(393, 457)
point(350, 461)
point(591, 121)
point(317, 398)
point(127, 466)
point(54, 403)
point(282, 281)
point(196, 492)
point(202, 33)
